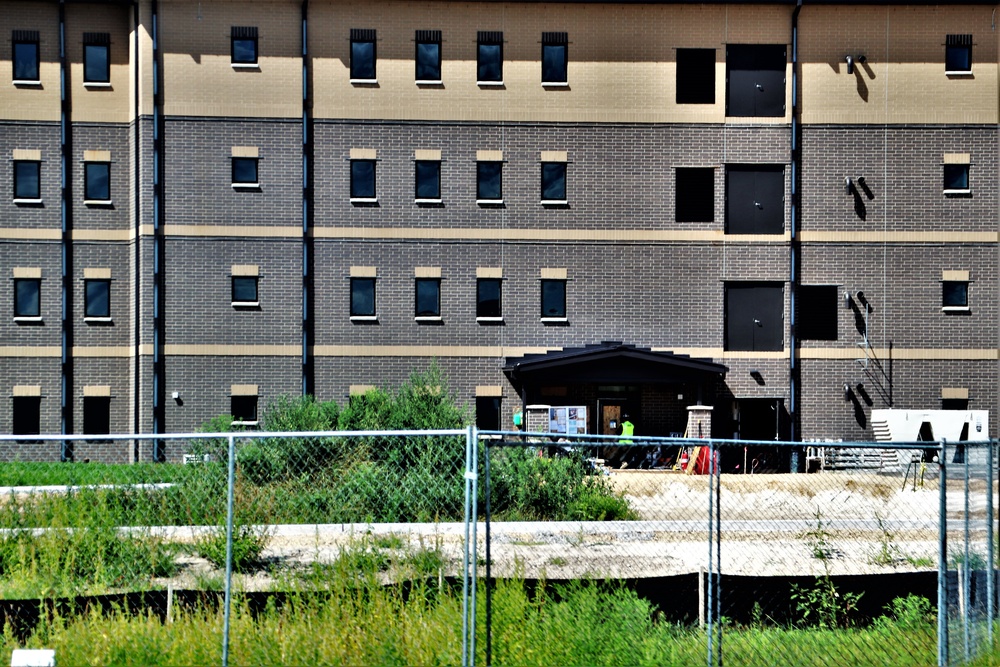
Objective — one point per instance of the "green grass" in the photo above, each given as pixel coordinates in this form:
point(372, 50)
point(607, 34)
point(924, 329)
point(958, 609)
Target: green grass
point(71, 474)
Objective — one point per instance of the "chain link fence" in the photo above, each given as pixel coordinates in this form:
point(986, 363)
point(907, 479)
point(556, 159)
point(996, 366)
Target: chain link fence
point(583, 549)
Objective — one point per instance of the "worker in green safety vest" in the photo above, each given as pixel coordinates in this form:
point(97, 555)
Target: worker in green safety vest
point(628, 428)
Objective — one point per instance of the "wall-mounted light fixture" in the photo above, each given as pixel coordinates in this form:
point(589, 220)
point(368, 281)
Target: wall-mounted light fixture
point(847, 299)
point(848, 185)
point(861, 60)
point(847, 391)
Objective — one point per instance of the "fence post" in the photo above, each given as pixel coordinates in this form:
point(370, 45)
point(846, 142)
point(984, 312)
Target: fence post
point(967, 569)
point(942, 637)
point(710, 615)
point(468, 597)
point(990, 563)
point(489, 574)
point(231, 483)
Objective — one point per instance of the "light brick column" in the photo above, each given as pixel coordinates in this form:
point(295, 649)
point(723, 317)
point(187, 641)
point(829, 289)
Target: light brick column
point(699, 421)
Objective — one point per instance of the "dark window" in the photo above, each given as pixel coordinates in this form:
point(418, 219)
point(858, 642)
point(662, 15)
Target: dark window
point(362, 297)
point(27, 179)
point(488, 302)
point(96, 57)
point(362, 179)
point(244, 409)
point(25, 55)
point(245, 289)
point(27, 297)
point(756, 80)
point(428, 56)
point(244, 45)
point(97, 298)
point(554, 181)
point(488, 413)
point(554, 298)
point(97, 181)
point(956, 177)
point(695, 194)
point(245, 170)
point(363, 55)
point(954, 404)
point(755, 199)
point(958, 53)
point(489, 181)
point(96, 415)
point(754, 316)
point(555, 46)
point(428, 297)
point(818, 306)
point(955, 294)
point(695, 76)
point(27, 415)
point(428, 179)
point(489, 58)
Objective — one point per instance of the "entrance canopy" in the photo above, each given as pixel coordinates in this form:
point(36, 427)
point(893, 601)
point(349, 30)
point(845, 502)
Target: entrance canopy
point(609, 363)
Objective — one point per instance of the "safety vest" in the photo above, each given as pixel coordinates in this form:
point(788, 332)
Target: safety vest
point(627, 429)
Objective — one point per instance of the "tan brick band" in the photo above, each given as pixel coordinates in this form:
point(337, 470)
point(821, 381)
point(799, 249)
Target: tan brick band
point(27, 390)
point(97, 156)
point(97, 274)
point(489, 272)
point(363, 154)
point(427, 272)
point(961, 393)
point(488, 390)
point(553, 274)
point(97, 390)
point(27, 272)
point(243, 390)
point(364, 272)
point(26, 154)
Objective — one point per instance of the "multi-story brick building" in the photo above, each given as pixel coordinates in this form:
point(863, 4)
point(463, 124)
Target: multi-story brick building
point(786, 210)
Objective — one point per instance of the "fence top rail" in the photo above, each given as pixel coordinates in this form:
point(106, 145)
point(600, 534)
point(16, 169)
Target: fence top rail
point(239, 435)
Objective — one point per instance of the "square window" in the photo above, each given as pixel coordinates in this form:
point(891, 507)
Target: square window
point(553, 299)
point(97, 298)
point(245, 291)
point(694, 194)
point(489, 57)
point(488, 303)
point(958, 54)
point(956, 178)
point(96, 58)
point(244, 410)
point(695, 76)
point(362, 55)
point(27, 297)
point(753, 316)
point(363, 179)
point(97, 181)
point(244, 45)
point(554, 182)
point(27, 180)
point(488, 413)
point(428, 297)
point(818, 306)
point(25, 56)
point(428, 180)
point(26, 415)
point(428, 56)
point(955, 294)
point(489, 181)
point(555, 48)
point(96, 415)
point(245, 171)
point(362, 297)
point(755, 80)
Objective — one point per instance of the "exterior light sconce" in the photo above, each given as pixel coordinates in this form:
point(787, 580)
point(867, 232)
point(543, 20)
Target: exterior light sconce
point(860, 59)
point(847, 391)
point(848, 185)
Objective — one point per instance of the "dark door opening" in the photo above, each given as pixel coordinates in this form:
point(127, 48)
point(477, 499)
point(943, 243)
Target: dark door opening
point(760, 420)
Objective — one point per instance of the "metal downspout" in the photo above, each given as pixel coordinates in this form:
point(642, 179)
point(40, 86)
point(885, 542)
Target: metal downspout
point(137, 242)
point(158, 240)
point(65, 242)
point(308, 370)
point(793, 248)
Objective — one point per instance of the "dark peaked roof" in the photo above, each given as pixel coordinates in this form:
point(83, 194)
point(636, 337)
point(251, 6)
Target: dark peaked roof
point(609, 362)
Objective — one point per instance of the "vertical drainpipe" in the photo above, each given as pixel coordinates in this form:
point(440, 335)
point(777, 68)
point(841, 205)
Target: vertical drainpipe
point(793, 370)
point(66, 241)
point(158, 241)
point(137, 238)
point(308, 371)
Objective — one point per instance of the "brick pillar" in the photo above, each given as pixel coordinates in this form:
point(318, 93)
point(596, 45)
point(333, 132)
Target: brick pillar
point(699, 421)
point(537, 420)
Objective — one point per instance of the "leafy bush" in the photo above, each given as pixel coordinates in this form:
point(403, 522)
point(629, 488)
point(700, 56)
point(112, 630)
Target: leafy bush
point(249, 543)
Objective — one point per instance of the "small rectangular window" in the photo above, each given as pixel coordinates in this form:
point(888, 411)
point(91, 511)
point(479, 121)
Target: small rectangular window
point(428, 56)
point(554, 182)
point(818, 306)
point(958, 54)
point(488, 413)
point(97, 299)
point(362, 55)
point(956, 178)
point(96, 57)
point(27, 415)
point(428, 297)
point(96, 415)
point(27, 297)
point(695, 76)
point(555, 58)
point(489, 181)
point(363, 180)
point(245, 291)
point(694, 192)
point(363, 297)
point(243, 45)
point(489, 58)
point(245, 171)
point(428, 180)
point(955, 294)
point(244, 410)
point(27, 180)
point(553, 299)
point(97, 182)
point(488, 301)
point(25, 56)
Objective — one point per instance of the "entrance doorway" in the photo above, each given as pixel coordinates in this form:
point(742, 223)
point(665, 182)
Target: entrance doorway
point(759, 419)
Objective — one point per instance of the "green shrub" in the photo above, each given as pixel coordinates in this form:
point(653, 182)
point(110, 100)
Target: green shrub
point(249, 543)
